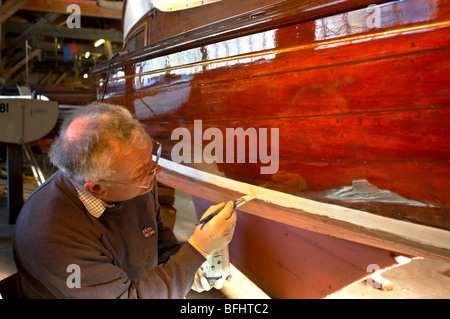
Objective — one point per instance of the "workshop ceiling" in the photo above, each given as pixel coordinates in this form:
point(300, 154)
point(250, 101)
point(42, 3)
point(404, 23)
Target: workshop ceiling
point(59, 33)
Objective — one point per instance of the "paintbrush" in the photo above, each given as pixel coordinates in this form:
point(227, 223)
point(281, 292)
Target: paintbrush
point(238, 202)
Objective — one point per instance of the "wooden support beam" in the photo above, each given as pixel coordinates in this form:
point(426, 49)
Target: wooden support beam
point(10, 7)
point(89, 9)
point(65, 32)
point(61, 78)
point(46, 78)
point(17, 66)
point(31, 30)
point(108, 49)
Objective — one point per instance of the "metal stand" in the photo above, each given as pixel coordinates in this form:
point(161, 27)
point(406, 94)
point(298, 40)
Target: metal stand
point(29, 120)
point(15, 182)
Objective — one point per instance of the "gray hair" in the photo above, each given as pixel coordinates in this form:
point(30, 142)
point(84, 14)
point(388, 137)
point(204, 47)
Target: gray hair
point(107, 129)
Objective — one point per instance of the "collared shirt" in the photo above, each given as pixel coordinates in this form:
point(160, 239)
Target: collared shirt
point(94, 205)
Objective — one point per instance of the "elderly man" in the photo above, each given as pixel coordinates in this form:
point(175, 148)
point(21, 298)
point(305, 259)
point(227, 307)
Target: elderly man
point(98, 218)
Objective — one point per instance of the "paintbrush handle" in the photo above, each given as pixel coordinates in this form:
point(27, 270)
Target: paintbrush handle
point(207, 219)
point(238, 202)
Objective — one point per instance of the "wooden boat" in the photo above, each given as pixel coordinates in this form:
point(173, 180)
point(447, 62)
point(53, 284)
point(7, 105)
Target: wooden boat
point(358, 93)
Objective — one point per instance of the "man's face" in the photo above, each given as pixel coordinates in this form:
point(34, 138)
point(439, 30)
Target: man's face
point(134, 167)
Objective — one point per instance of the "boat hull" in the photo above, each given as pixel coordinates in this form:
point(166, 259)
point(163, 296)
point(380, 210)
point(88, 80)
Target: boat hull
point(355, 105)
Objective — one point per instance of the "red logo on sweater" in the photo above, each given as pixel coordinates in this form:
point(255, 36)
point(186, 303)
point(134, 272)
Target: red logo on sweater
point(148, 232)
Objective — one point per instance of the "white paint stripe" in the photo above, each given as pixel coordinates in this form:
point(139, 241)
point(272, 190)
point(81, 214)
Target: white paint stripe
point(417, 233)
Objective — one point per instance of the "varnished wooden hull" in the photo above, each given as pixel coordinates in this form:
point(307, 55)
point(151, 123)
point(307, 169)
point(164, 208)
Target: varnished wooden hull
point(362, 111)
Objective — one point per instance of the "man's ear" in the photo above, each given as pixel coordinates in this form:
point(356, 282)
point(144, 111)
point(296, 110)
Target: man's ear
point(94, 188)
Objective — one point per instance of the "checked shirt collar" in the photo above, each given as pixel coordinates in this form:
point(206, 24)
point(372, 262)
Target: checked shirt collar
point(94, 205)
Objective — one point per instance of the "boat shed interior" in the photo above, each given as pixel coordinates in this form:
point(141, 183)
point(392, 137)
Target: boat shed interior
point(62, 55)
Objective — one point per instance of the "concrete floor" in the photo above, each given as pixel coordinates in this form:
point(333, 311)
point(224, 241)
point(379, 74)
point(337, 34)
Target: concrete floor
point(421, 278)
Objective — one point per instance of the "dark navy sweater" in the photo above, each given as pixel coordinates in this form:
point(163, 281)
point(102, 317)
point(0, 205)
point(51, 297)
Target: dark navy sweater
point(126, 253)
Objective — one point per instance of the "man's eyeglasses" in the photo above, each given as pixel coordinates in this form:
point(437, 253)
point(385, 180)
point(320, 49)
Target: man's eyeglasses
point(156, 154)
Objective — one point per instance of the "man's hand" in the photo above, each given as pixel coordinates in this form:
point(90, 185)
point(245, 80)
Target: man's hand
point(216, 233)
point(201, 283)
